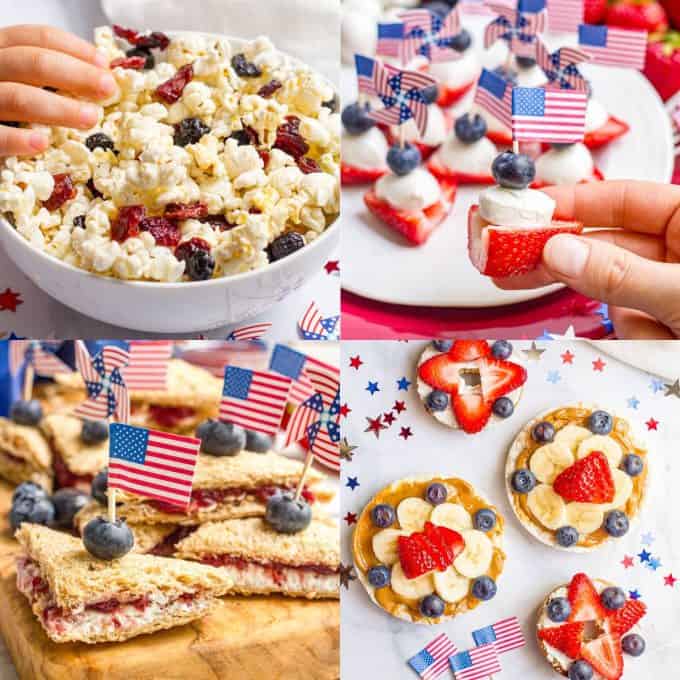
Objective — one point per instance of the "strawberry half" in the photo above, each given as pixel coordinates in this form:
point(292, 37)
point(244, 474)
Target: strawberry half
point(416, 226)
point(509, 251)
point(415, 560)
point(604, 654)
point(449, 542)
point(567, 638)
point(622, 620)
point(611, 130)
point(441, 172)
point(499, 377)
point(450, 95)
point(441, 372)
point(597, 176)
point(588, 480)
point(472, 411)
point(584, 600)
point(351, 175)
point(500, 137)
point(469, 350)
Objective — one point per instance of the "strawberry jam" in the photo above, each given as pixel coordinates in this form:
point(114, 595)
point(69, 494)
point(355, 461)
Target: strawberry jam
point(170, 416)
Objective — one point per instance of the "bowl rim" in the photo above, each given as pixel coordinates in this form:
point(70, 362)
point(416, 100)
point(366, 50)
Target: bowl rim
point(6, 225)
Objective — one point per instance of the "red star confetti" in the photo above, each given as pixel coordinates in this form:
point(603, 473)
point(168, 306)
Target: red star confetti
point(345, 410)
point(389, 417)
point(355, 362)
point(669, 580)
point(567, 357)
point(598, 365)
point(406, 433)
point(399, 406)
point(652, 424)
point(10, 300)
point(350, 518)
point(627, 561)
point(332, 266)
point(374, 426)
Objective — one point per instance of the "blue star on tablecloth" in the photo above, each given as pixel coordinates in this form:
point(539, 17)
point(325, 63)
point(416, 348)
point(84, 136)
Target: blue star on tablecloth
point(634, 594)
point(403, 383)
point(633, 402)
point(654, 563)
point(352, 483)
point(656, 385)
point(648, 538)
point(372, 387)
point(554, 377)
point(644, 556)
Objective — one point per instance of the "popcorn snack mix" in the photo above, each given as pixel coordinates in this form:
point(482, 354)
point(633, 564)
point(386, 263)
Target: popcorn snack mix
point(211, 160)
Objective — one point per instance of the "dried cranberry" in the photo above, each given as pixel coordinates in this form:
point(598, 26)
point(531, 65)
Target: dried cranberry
point(163, 230)
point(171, 90)
point(292, 124)
point(93, 189)
point(268, 90)
point(154, 39)
point(186, 248)
point(127, 222)
point(135, 63)
point(149, 60)
point(185, 211)
point(292, 143)
point(169, 416)
point(308, 165)
point(264, 155)
point(217, 222)
point(126, 33)
point(63, 191)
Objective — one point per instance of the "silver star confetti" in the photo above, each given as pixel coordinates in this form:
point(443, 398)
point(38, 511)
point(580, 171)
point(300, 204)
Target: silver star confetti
point(533, 353)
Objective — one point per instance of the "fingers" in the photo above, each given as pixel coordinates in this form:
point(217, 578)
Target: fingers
point(21, 142)
point(50, 38)
point(25, 103)
point(41, 67)
point(630, 324)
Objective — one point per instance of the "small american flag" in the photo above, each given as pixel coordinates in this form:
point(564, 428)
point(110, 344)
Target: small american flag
point(564, 16)
point(610, 46)
point(152, 464)
point(433, 659)
point(494, 94)
point(291, 363)
point(252, 332)
point(428, 35)
point(506, 634)
point(147, 368)
point(560, 66)
point(107, 393)
point(390, 40)
point(366, 69)
point(548, 115)
point(518, 27)
point(255, 400)
point(476, 663)
point(314, 326)
point(40, 354)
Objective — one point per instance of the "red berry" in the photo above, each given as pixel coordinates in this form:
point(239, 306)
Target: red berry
point(154, 39)
point(472, 411)
point(605, 655)
point(127, 222)
point(594, 11)
point(63, 191)
point(171, 90)
point(163, 230)
point(567, 638)
point(264, 155)
point(268, 90)
point(308, 165)
point(187, 248)
point(292, 143)
point(185, 211)
point(588, 480)
point(500, 377)
point(584, 600)
point(622, 620)
point(469, 350)
point(126, 33)
point(135, 63)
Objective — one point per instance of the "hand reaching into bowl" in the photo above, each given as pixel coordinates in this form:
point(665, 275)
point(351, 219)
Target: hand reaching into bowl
point(37, 57)
point(632, 263)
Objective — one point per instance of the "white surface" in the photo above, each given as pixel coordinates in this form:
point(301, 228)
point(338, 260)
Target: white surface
point(376, 645)
point(384, 267)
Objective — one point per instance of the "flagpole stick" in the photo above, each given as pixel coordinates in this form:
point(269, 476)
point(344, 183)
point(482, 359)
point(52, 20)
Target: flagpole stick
point(402, 136)
point(515, 146)
point(111, 494)
point(303, 476)
point(27, 388)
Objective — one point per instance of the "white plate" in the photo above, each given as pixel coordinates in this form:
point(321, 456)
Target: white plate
point(378, 263)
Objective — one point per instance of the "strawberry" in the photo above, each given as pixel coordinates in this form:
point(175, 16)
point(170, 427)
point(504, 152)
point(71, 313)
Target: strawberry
point(499, 377)
point(441, 372)
point(584, 600)
point(588, 480)
point(663, 62)
point(472, 411)
point(450, 95)
point(438, 556)
point(622, 620)
point(597, 176)
point(646, 15)
point(415, 560)
point(611, 130)
point(594, 11)
point(469, 350)
point(672, 8)
point(440, 171)
point(449, 542)
point(351, 175)
point(500, 137)
point(605, 656)
point(425, 551)
point(504, 251)
point(567, 638)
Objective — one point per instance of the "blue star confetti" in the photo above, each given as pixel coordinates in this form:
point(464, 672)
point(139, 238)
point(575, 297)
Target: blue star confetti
point(656, 385)
point(372, 387)
point(546, 335)
point(633, 402)
point(644, 556)
point(352, 483)
point(634, 595)
point(403, 383)
point(648, 538)
point(554, 377)
point(654, 563)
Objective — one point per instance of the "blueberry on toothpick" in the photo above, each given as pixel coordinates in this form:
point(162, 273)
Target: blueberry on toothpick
point(106, 539)
point(403, 159)
point(287, 514)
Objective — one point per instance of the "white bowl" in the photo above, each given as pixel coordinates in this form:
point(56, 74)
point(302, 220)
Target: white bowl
point(169, 307)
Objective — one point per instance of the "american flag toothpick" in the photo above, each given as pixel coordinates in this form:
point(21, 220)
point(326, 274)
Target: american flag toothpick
point(476, 663)
point(253, 332)
point(611, 46)
point(148, 364)
point(432, 661)
point(505, 634)
point(519, 27)
point(390, 40)
point(494, 94)
point(35, 356)
point(564, 16)
point(291, 363)
point(560, 67)
point(428, 35)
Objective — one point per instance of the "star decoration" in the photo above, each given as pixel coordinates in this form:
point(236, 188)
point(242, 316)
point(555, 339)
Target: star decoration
point(346, 449)
point(10, 300)
point(648, 538)
point(627, 561)
point(332, 266)
point(598, 365)
point(352, 483)
point(567, 357)
point(355, 362)
point(389, 418)
point(652, 424)
point(644, 556)
point(634, 594)
point(399, 406)
point(633, 402)
point(347, 574)
point(672, 390)
point(656, 385)
point(345, 410)
point(375, 425)
point(372, 387)
point(669, 580)
point(403, 383)
point(654, 563)
point(405, 433)
point(554, 377)
point(350, 518)
point(533, 353)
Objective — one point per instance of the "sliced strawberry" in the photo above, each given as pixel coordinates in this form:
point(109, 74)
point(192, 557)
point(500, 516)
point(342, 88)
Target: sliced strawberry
point(449, 543)
point(437, 555)
point(604, 654)
point(414, 559)
point(610, 131)
point(588, 480)
point(622, 620)
point(584, 600)
point(507, 251)
point(441, 372)
point(351, 175)
point(597, 176)
point(567, 638)
point(500, 137)
point(450, 95)
point(469, 350)
point(472, 411)
point(499, 377)
point(441, 172)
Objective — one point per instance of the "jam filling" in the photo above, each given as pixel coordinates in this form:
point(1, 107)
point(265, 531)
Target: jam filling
point(166, 548)
point(278, 569)
point(170, 416)
point(66, 478)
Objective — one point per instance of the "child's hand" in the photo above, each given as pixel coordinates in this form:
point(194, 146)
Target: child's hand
point(633, 263)
point(33, 57)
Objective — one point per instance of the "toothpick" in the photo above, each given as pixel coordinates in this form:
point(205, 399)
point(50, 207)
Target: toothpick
point(402, 136)
point(515, 146)
point(111, 495)
point(303, 476)
point(27, 388)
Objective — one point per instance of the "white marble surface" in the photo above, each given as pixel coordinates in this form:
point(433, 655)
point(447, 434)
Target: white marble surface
point(377, 645)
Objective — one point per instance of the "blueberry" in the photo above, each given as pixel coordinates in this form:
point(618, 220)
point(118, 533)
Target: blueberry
point(430, 94)
point(558, 609)
point(566, 536)
point(242, 137)
point(243, 67)
point(436, 401)
point(442, 345)
point(470, 128)
point(99, 141)
point(438, 7)
point(287, 515)
point(258, 442)
point(142, 52)
point(94, 431)
point(190, 131)
point(26, 412)
point(403, 160)
point(523, 480)
point(600, 422)
point(501, 349)
point(200, 265)
point(507, 74)
point(432, 606)
point(513, 170)
point(559, 146)
point(525, 62)
point(484, 519)
point(31, 509)
point(436, 493)
point(612, 598)
point(379, 576)
point(284, 245)
point(222, 439)
point(484, 588)
point(100, 485)
point(616, 523)
point(543, 432)
point(107, 540)
point(503, 407)
point(382, 515)
point(28, 490)
point(355, 118)
point(67, 502)
point(580, 670)
point(633, 464)
point(461, 41)
point(633, 644)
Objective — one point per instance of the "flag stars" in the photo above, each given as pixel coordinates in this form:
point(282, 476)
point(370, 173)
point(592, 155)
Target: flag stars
point(352, 483)
point(372, 387)
point(403, 384)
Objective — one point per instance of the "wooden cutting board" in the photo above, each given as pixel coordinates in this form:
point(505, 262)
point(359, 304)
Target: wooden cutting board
point(253, 638)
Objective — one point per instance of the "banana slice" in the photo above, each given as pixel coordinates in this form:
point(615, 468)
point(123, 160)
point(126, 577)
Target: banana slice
point(549, 460)
point(385, 545)
point(412, 514)
point(410, 588)
point(450, 585)
point(452, 516)
point(572, 436)
point(602, 443)
point(476, 556)
point(623, 486)
point(585, 517)
point(547, 507)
